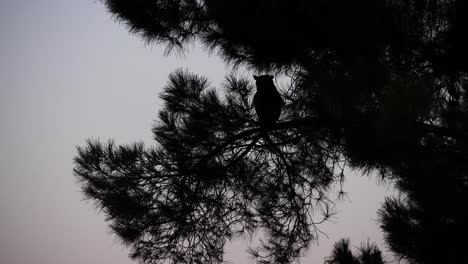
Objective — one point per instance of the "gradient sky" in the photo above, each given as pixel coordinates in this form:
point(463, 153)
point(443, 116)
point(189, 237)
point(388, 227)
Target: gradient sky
point(68, 72)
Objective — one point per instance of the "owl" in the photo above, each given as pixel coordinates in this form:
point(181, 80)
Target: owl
point(267, 101)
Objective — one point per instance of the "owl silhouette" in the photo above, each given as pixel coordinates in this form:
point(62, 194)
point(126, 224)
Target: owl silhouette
point(267, 101)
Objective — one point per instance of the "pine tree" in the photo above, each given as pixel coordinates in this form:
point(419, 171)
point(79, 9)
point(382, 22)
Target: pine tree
point(375, 85)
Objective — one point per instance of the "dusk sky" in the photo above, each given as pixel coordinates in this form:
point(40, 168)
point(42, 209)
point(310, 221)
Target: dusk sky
point(68, 72)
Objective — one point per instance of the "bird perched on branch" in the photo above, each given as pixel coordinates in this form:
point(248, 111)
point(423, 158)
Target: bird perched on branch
point(267, 101)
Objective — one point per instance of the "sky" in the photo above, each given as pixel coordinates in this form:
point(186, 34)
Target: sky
point(69, 72)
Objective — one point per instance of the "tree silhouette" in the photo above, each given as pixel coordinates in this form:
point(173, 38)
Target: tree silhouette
point(342, 254)
point(427, 222)
point(376, 85)
point(210, 179)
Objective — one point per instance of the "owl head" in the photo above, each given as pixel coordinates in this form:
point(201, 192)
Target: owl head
point(264, 81)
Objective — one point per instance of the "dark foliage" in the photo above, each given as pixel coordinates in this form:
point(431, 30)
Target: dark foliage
point(342, 254)
point(427, 224)
point(377, 85)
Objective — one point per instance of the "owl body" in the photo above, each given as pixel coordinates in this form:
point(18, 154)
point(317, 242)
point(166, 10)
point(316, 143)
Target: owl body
point(267, 101)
